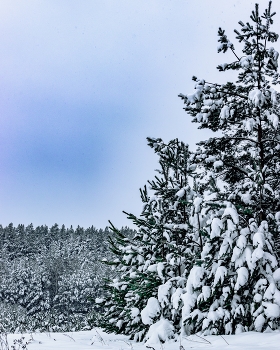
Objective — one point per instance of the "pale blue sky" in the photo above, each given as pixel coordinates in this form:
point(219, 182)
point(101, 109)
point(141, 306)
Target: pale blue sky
point(82, 84)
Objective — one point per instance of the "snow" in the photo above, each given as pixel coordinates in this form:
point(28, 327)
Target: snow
point(246, 62)
point(99, 300)
point(231, 211)
point(258, 239)
point(273, 96)
point(194, 97)
point(96, 339)
point(119, 324)
point(256, 97)
point(273, 53)
point(152, 268)
point(163, 293)
point(210, 159)
point(193, 282)
point(249, 124)
point(160, 268)
point(257, 254)
point(257, 298)
point(276, 275)
point(242, 277)
point(181, 193)
point(246, 197)
point(224, 114)
point(223, 65)
point(274, 119)
point(216, 227)
point(151, 311)
point(259, 322)
point(218, 164)
point(194, 279)
point(220, 274)
point(241, 242)
point(272, 293)
point(271, 310)
point(196, 203)
point(134, 312)
point(160, 331)
point(176, 297)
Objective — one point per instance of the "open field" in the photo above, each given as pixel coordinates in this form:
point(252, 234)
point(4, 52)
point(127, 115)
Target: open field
point(98, 340)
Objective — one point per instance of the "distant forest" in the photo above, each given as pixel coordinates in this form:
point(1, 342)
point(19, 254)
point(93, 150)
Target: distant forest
point(50, 277)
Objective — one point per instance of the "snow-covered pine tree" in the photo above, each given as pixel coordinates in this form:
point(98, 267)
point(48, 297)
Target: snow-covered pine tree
point(153, 266)
point(236, 286)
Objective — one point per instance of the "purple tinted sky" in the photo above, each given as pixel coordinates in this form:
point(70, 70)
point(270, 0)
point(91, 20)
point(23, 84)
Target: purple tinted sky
point(82, 84)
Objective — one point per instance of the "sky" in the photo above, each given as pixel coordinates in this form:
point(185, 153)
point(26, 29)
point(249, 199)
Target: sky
point(83, 83)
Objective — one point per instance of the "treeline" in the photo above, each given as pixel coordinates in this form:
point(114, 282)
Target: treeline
point(50, 277)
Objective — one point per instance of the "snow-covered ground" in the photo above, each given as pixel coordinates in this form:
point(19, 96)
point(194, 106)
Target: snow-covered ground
point(98, 340)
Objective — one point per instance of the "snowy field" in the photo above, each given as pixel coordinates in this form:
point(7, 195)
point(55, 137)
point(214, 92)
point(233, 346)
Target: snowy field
point(98, 340)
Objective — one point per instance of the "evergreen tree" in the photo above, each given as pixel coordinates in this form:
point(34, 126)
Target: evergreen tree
point(217, 240)
point(236, 285)
point(153, 266)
